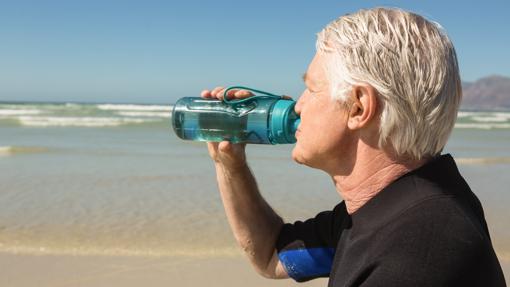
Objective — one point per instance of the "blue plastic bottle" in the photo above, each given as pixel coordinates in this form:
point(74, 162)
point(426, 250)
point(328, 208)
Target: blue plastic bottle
point(260, 119)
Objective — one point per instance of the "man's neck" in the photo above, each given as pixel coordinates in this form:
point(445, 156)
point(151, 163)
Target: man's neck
point(372, 172)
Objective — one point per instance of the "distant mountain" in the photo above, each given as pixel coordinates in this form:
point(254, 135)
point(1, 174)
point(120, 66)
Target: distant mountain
point(488, 93)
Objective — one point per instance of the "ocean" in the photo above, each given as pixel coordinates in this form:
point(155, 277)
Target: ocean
point(113, 179)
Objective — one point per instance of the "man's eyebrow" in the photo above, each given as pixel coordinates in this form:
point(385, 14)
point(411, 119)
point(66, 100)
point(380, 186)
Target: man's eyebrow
point(305, 76)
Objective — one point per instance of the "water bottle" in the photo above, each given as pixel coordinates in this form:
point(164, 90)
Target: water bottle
point(260, 119)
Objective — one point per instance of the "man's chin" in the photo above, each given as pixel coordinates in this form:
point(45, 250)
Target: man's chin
point(300, 158)
point(297, 160)
point(297, 156)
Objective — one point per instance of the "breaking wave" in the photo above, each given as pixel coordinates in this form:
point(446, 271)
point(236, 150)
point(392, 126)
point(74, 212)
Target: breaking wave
point(483, 120)
point(82, 115)
point(78, 121)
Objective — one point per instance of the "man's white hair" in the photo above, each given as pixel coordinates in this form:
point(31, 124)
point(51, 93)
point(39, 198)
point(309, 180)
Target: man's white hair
point(411, 63)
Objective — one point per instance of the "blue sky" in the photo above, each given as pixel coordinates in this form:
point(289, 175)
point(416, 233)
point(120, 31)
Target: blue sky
point(158, 51)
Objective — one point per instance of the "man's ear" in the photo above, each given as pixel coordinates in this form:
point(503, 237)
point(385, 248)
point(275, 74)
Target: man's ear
point(362, 106)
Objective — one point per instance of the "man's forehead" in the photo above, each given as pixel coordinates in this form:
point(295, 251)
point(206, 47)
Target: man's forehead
point(315, 73)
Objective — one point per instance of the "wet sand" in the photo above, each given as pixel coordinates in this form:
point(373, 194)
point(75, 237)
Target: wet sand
point(107, 271)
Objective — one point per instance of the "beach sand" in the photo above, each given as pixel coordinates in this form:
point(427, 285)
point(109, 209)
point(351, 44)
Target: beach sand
point(98, 271)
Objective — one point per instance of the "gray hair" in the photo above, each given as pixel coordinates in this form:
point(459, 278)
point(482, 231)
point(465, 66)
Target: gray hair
point(411, 63)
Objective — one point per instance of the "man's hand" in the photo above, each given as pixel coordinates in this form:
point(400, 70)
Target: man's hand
point(230, 156)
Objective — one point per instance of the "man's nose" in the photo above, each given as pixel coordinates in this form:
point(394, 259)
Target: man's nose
point(299, 104)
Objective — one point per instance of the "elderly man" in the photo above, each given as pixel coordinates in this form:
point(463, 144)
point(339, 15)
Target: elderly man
point(381, 99)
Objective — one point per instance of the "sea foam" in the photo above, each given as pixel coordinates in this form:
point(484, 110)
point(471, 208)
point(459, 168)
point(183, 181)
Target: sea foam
point(144, 114)
point(18, 112)
point(485, 126)
point(115, 107)
point(78, 121)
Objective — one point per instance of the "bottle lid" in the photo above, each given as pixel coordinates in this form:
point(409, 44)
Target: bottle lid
point(283, 122)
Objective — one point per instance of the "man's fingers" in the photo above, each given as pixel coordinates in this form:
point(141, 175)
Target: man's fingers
point(221, 93)
point(231, 94)
point(237, 94)
point(242, 94)
point(216, 91)
point(205, 94)
point(213, 145)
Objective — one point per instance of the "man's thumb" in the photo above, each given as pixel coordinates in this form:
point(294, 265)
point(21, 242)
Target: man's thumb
point(225, 146)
